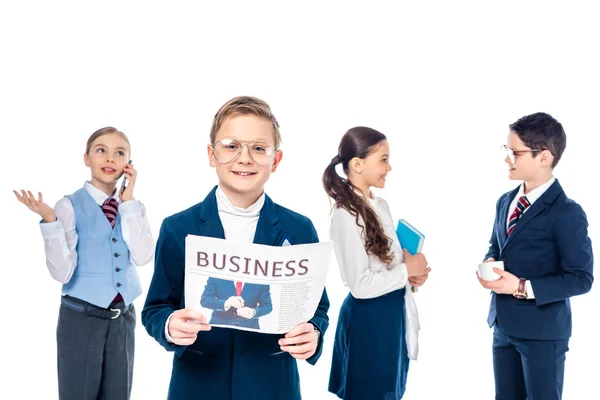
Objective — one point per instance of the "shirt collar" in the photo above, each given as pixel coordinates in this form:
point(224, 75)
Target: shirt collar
point(537, 192)
point(98, 195)
point(373, 199)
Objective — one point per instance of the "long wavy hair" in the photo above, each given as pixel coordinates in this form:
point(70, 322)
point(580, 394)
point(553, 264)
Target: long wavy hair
point(358, 142)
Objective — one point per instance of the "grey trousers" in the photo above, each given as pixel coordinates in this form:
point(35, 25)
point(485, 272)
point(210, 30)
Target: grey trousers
point(95, 355)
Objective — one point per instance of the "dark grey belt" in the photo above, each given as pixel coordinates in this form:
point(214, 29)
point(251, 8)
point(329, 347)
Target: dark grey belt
point(92, 310)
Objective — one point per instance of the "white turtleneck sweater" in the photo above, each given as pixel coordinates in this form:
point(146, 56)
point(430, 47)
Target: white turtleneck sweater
point(239, 225)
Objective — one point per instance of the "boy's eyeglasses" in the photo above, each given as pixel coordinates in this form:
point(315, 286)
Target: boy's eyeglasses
point(228, 150)
point(511, 154)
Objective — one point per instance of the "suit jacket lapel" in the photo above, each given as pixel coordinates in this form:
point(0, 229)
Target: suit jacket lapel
point(210, 223)
point(503, 216)
point(267, 231)
point(536, 208)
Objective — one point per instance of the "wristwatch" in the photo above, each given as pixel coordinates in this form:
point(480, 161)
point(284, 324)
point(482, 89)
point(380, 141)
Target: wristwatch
point(521, 292)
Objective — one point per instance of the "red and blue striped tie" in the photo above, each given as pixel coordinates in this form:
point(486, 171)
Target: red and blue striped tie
point(110, 208)
point(522, 205)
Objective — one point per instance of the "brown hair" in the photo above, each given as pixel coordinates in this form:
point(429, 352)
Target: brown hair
point(358, 142)
point(541, 131)
point(104, 131)
point(245, 105)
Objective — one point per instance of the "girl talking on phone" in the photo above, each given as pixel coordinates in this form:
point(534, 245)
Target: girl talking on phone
point(94, 238)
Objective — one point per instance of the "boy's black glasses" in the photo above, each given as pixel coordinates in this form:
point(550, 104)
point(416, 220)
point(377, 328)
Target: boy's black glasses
point(510, 153)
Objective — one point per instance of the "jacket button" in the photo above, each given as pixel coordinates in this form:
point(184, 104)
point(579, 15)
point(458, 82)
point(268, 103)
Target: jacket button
point(118, 284)
point(117, 269)
point(117, 254)
point(114, 240)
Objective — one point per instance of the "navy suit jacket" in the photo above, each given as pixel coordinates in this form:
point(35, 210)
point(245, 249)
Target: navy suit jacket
point(550, 247)
point(217, 291)
point(225, 364)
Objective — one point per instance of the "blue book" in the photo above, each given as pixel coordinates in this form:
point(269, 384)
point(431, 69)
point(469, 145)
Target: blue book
point(410, 238)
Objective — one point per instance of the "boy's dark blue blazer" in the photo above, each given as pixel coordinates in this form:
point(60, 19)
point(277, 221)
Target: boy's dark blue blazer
point(225, 364)
point(550, 247)
point(216, 293)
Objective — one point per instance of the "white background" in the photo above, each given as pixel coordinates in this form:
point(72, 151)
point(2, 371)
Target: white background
point(442, 79)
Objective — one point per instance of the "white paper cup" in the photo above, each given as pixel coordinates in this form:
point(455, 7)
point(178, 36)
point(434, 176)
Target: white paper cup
point(486, 270)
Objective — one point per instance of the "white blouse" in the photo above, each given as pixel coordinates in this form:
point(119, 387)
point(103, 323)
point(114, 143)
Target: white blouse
point(364, 274)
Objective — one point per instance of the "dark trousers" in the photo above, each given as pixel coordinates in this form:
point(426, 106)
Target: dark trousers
point(528, 369)
point(95, 353)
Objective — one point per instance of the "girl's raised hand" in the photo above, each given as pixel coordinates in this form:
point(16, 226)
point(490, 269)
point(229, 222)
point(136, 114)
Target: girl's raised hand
point(37, 206)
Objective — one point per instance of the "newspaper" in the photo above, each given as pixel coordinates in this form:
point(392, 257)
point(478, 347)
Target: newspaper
point(267, 289)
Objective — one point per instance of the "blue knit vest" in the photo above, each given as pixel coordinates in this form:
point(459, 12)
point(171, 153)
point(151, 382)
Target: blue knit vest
point(103, 265)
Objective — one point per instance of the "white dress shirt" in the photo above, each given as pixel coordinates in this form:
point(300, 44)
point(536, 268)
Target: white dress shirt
point(60, 236)
point(532, 196)
point(364, 274)
point(239, 225)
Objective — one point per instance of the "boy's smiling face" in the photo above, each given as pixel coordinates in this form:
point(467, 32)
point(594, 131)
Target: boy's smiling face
point(527, 165)
point(243, 179)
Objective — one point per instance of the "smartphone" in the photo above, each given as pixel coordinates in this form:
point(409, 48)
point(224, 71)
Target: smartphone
point(124, 183)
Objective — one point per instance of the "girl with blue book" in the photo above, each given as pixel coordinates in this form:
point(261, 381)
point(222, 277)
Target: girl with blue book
point(378, 323)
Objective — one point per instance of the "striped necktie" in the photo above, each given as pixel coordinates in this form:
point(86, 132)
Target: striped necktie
point(110, 208)
point(522, 205)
